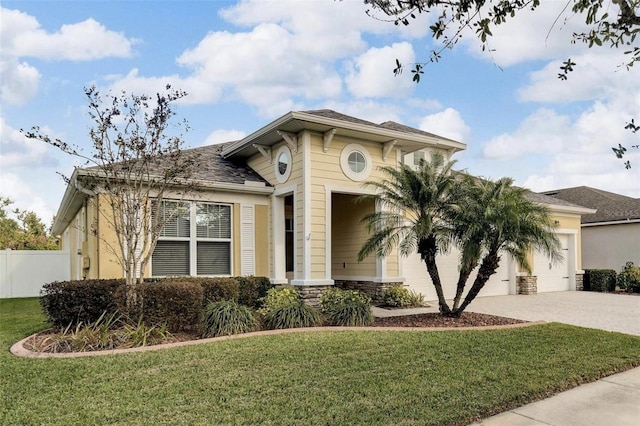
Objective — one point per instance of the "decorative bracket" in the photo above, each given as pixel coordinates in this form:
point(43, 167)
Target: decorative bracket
point(386, 148)
point(265, 150)
point(328, 137)
point(291, 139)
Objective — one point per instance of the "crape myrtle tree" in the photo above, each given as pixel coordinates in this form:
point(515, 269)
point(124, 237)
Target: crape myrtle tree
point(430, 209)
point(609, 23)
point(136, 158)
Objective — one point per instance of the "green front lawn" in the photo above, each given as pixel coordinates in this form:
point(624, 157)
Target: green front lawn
point(368, 377)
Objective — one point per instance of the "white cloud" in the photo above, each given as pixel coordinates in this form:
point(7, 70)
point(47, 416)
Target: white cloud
point(597, 75)
point(18, 151)
point(544, 131)
point(573, 152)
point(368, 76)
point(288, 55)
point(448, 124)
point(262, 66)
point(221, 136)
point(21, 36)
point(542, 34)
point(19, 81)
point(87, 40)
point(24, 197)
point(325, 25)
point(198, 91)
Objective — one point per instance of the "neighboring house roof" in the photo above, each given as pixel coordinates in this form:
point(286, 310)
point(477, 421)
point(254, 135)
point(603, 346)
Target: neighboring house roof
point(553, 203)
point(610, 207)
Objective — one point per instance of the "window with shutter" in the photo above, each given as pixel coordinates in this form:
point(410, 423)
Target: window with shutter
point(196, 240)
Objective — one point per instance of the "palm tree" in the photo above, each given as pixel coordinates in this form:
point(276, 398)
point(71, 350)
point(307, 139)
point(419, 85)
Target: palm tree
point(414, 207)
point(428, 209)
point(498, 217)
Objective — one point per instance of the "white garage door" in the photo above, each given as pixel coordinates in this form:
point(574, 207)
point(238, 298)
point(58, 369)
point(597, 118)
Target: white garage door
point(418, 280)
point(553, 276)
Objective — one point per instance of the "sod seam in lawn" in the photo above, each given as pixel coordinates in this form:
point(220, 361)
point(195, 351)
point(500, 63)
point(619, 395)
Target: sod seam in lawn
point(359, 377)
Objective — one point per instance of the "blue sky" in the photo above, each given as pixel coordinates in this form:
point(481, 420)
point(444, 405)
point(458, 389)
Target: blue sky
point(246, 63)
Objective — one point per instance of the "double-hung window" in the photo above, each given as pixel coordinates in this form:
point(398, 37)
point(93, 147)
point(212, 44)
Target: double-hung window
point(196, 240)
point(213, 234)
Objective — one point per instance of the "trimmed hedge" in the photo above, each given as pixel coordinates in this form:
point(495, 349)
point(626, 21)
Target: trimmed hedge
point(72, 302)
point(252, 290)
point(164, 300)
point(599, 280)
point(178, 304)
point(215, 289)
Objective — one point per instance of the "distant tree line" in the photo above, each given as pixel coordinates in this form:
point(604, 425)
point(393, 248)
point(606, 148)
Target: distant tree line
point(23, 229)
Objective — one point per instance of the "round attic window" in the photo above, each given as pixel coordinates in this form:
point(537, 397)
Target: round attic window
point(355, 162)
point(283, 164)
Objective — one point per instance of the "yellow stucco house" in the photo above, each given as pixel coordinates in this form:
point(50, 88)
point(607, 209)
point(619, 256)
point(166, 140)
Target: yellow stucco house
point(285, 207)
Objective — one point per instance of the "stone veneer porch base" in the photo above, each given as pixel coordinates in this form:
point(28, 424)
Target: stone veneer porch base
point(372, 289)
point(527, 285)
point(311, 294)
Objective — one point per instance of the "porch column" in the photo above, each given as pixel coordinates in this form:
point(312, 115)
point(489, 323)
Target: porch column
point(279, 252)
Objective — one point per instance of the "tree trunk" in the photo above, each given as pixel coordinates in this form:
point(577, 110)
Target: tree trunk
point(489, 265)
point(427, 247)
point(131, 294)
point(462, 282)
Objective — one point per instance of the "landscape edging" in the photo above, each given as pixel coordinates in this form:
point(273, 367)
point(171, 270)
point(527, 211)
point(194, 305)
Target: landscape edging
point(18, 348)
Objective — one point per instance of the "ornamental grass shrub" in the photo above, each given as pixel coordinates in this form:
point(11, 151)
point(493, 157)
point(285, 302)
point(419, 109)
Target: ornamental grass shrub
point(292, 315)
point(227, 317)
point(346, 307)
point(106, 333)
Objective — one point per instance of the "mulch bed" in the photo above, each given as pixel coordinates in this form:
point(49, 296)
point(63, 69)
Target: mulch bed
point(40, 341)
point(467, 319)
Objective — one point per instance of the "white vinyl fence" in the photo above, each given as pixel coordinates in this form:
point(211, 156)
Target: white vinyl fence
point(23, 272)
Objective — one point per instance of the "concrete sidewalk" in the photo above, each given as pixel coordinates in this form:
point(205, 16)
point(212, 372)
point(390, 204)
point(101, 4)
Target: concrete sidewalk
point(614, 400)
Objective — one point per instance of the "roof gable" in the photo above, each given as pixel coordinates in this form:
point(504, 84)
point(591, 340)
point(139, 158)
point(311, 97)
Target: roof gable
point(325, 120)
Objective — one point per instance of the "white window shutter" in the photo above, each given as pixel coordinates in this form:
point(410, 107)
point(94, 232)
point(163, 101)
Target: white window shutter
point(247, 240)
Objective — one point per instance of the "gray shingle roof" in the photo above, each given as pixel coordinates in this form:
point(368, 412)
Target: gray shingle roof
point(545, 199)
point(210, 166)
point(329, 113)
point(610, 206)
point(390, 125)
point(402, 128)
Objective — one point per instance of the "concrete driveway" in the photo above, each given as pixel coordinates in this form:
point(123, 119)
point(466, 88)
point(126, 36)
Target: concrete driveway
point(611, 312)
